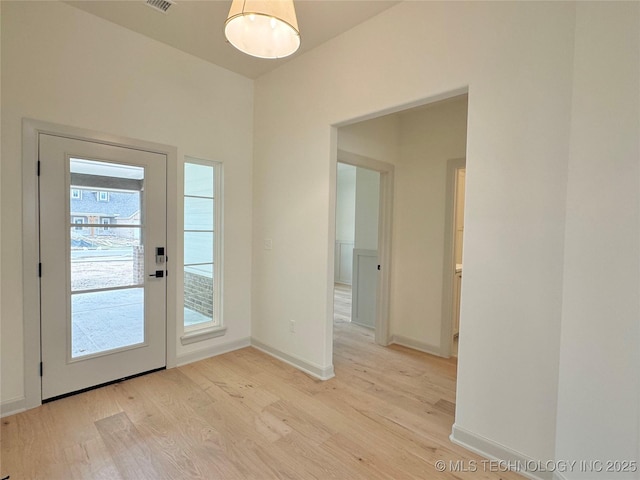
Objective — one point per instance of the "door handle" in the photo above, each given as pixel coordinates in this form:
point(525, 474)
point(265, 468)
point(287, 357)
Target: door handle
point(158, 274)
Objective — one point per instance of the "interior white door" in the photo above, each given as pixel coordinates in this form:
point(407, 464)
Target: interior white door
point(103, 279)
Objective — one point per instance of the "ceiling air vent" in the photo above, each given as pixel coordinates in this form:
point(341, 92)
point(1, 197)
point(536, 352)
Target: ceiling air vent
point(160, 5)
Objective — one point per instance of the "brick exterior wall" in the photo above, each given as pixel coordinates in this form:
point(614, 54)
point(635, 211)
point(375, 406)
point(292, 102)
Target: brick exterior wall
point(138, 264)
point(198, 293)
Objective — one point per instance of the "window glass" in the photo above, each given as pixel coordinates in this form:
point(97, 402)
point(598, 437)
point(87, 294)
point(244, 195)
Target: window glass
point(201, 225)
point(198, 180)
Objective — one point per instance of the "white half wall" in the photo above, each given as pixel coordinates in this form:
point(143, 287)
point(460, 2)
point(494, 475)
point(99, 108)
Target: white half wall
point(599, 385)
point(519, 84)
point(65, 66)
point(365, 284)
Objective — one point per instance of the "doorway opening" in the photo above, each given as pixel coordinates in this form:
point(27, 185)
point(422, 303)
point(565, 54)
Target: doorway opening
point(356, 259)
point(453, 266)
point(363, 244)
point(421, 285)
point(418, 288)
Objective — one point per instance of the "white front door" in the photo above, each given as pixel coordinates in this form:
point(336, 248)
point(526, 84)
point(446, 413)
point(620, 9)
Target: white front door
point(103, 277)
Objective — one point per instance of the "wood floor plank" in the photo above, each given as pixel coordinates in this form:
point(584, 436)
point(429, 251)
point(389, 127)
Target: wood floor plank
point(314, 462)
point(91, 459)
point(299, 420)
point(163, 408)
point(128, 448)
point(248, 436)
point(27, 449)
point(342, 303)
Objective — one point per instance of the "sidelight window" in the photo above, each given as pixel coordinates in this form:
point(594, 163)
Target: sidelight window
point(202, 249)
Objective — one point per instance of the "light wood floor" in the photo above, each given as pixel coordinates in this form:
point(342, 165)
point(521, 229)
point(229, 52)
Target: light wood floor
point(245, 415)
point(341, 303)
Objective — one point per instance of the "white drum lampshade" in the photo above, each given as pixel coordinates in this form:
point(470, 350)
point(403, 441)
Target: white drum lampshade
point(263, 28)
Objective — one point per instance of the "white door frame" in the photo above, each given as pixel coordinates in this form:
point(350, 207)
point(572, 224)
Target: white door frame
point(31, 129)
point(385, 217)
point(449, 266)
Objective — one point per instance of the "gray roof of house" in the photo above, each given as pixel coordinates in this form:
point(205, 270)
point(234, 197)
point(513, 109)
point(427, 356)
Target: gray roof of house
point(120, 204)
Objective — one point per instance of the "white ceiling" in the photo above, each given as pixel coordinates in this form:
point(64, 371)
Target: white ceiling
point(196, 26)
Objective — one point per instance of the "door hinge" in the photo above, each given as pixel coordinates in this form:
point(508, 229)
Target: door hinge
point(41, 369)
point(38, 167)
point(40, 269)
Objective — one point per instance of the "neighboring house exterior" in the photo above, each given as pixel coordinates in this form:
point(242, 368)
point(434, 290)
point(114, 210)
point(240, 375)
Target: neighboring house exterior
point(96, 207)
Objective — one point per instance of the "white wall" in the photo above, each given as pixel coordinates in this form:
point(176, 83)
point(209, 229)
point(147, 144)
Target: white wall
point(367, 208)
point(346, 203)
point(1, 202)
point(345, 223)
point(599, 401)
point(519, 113)
point(62, 65)
point(376, 138)
point(428, 139)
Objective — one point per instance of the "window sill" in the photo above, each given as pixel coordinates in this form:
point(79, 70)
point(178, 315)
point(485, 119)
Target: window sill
point(202, 334)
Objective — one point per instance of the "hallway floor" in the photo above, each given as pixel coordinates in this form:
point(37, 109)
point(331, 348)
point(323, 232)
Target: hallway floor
point(341, 302)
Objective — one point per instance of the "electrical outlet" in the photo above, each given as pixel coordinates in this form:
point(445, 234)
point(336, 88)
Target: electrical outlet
point(268, 244)
point(292, 326)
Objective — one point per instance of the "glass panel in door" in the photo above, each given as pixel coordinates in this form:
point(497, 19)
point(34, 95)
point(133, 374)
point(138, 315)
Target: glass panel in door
point(106, 251)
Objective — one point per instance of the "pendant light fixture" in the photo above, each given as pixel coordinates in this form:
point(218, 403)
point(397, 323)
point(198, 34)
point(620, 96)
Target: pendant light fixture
point(263, 28)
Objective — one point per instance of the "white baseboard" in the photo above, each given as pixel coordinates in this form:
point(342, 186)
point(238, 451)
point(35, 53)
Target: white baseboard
point(212, 351)
point(495, 451)
point(364, 325)
point(322, 373)
point(416, 345)
point(13, 406)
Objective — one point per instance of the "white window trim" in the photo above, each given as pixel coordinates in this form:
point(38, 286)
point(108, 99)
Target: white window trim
point(106, 196)
point(76, 194)
point(193, 336)
point(207, 330)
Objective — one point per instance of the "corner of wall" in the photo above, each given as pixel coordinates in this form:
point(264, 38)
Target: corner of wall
point(317, 371)
point(12, 406)
point(416, 345)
